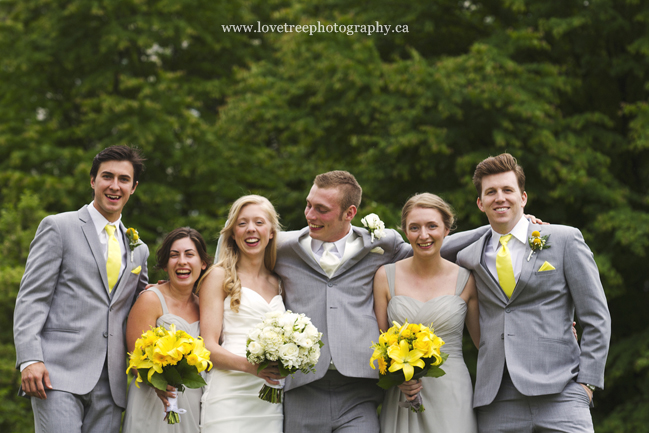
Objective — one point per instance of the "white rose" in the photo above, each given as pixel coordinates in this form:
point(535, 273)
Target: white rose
point(289, 351)
point(311, 331)
point(273, 314)
point(255, 348)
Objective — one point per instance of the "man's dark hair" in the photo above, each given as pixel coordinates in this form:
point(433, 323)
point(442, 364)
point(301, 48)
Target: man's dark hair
point(119, 153)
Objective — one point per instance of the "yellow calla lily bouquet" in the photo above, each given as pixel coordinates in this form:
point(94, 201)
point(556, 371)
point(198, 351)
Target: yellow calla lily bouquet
point(406, 352)
point(169, 357)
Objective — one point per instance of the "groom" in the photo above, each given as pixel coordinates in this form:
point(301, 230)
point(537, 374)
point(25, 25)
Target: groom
point(532, 375)
point(327, 270)
point(78, 287)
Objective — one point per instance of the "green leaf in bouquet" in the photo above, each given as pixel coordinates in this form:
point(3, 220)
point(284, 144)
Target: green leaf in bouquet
point(184, 368)
point(143, 372)
point(435, 371)
point(283, 371)
point(262, 366)
point(159, 381)
point(390, 380)
point(172, 375)
point(193, 380)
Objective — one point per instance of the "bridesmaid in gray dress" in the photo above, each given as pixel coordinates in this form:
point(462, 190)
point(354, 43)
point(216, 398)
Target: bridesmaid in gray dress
point(428, 289)
point(184, 257)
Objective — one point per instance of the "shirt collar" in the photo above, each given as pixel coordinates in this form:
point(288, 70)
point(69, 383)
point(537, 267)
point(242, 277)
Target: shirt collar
point(316, 244)
point(519, 232)
point(99, 220)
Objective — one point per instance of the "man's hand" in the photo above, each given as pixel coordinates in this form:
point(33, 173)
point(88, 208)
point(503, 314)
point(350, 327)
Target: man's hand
point(160, 282)
point(535, 220)
point(33, 378)
point(588, 391)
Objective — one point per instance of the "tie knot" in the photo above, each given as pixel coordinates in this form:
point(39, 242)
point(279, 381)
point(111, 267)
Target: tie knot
point(110, 229)
point(505, 239)
point(328, 246)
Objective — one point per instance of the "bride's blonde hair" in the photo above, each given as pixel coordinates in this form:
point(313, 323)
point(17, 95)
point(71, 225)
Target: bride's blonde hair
point(229, 254)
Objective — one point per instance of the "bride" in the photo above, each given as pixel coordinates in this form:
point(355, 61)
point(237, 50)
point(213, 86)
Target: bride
point(234, 296)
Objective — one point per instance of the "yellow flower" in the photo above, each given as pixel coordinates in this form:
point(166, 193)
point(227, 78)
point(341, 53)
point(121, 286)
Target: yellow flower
point(200, 356)
point(537, 242)
point(382, 365)
point(536, 234)
point(414, 328)
point(405, 359)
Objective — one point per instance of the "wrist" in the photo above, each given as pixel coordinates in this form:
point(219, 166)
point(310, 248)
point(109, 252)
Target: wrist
point(589, 386)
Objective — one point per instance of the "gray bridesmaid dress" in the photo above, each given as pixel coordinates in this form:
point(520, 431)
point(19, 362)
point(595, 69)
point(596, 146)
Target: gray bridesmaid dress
point(144, 410)
point(448, 400)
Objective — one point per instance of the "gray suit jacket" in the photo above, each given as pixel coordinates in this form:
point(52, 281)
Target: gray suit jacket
point(531, 332)
point(342, 308)
point(65, 315)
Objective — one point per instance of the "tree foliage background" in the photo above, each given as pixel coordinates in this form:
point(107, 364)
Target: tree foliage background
point(563, 85)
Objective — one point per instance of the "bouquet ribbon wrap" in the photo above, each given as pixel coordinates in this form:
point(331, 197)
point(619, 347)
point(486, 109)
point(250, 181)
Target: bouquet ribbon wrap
point(173, 411)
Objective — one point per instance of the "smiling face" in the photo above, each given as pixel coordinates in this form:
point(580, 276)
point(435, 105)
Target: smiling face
point(425, 231)
point(252, 230)
point(327, 221)
point(113, 186)
point(502, 201)
point(185, 265)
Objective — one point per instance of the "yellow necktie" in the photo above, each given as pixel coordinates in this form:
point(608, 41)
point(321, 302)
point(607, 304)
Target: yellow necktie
point(114, 261)
point(504, 267)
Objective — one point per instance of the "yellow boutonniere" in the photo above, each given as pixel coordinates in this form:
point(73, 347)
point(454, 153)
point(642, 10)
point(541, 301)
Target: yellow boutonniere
point(133, 240)
point(537, 243)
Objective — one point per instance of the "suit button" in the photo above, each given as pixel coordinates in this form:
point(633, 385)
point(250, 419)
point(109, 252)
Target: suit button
point(508, 310)
point(330, 285)
point(502, 336)
point(105, 334)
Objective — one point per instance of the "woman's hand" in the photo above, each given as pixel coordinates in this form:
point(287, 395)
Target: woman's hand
point(164, 395)
point(270, 374)
point(411, 388)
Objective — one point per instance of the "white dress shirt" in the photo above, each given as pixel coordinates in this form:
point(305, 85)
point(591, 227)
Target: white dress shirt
point(516, 246)
point(317, 246)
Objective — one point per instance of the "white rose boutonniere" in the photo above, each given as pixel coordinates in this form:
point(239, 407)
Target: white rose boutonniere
point(374, 225)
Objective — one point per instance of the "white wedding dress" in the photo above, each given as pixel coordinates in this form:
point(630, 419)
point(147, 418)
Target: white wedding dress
point(231, 400)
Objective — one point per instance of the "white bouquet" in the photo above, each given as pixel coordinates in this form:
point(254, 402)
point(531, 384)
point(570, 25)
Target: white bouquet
point(288, 338)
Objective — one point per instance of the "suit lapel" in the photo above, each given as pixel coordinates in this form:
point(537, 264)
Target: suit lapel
point(303, 249)
point(528, 266)
point(354, 252)
point(476, 263)
point(89, 231)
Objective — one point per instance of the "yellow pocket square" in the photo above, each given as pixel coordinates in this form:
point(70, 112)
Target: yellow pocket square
point(377, 250)
point(546, 266)
point(137, 270)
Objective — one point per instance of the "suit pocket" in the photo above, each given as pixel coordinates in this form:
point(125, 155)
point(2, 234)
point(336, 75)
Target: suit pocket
point(546, 273)
point(66, 330)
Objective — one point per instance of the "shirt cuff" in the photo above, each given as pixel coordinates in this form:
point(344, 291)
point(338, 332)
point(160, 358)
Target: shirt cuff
point(26, 364)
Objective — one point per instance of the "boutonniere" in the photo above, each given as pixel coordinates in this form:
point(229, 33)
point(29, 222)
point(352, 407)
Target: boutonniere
point(133, 240)
point(374, 225)
point(537, 243)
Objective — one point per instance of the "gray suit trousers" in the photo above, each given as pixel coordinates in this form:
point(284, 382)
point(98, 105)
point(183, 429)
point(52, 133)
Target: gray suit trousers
point(334, 403)
point(64, 412)
point(513, 412)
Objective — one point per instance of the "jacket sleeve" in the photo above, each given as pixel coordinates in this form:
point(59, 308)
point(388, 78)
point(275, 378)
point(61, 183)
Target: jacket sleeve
point(36, 291)
point(456, 242)
point(591, 308)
